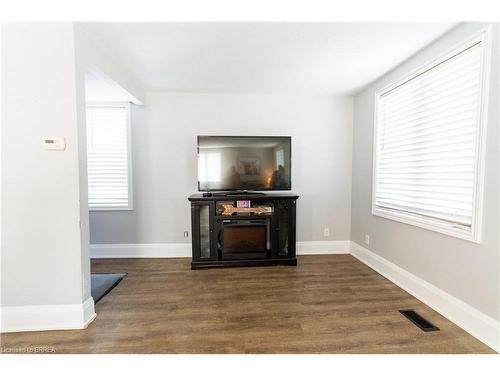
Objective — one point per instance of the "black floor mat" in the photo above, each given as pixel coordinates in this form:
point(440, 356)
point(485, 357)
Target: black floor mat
point(102, 283)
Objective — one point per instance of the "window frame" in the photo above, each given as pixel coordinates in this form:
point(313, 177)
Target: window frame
point(474, 232)
point(130, 205)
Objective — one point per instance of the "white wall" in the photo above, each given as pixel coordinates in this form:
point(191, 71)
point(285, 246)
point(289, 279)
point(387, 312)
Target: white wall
point(466, 270)
point(165, 168)
point(44, 251)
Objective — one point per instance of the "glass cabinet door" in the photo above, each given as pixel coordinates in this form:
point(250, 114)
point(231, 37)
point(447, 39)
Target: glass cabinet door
point(202, 231)
point(204, 235)
point(283, 229)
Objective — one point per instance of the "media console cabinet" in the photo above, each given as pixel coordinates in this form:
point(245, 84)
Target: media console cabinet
point(224, 234)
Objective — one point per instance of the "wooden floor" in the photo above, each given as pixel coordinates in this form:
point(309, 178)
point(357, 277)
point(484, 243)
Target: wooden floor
point(327, 304)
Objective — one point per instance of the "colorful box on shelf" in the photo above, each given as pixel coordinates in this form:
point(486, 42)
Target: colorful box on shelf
point(243, 204)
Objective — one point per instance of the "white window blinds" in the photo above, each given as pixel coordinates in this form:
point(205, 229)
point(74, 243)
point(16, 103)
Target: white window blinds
point(108, 157)
point(426, 141)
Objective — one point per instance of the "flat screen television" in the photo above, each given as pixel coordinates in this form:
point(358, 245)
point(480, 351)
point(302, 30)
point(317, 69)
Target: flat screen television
point(228, 163)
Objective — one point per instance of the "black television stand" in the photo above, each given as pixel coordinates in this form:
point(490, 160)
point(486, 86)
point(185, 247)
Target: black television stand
point(226, 235)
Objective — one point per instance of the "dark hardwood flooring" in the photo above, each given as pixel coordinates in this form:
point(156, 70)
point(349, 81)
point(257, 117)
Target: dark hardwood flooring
point(327, 304)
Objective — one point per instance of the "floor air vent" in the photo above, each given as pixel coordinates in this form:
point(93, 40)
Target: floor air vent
point(419, 321)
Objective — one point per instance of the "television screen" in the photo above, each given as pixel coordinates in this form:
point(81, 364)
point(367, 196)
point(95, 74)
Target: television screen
point(244, 163)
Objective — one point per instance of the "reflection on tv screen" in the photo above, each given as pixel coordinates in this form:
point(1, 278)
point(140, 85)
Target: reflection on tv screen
point(244, 163)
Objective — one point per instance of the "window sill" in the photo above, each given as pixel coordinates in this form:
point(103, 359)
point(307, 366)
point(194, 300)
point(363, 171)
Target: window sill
point(99, 209)
point(453, 230)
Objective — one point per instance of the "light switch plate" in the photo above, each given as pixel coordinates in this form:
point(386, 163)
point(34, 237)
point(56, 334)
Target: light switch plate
point(54, 143)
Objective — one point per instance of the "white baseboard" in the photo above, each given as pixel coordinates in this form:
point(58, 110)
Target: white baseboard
point(478, 324)
point(323, 247)
point(88, 312)
point(46, 317)
point(143, 250)
point(183, 250)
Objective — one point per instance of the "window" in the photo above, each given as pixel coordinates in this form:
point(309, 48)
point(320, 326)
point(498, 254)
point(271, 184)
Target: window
point(108, 157)
point(427, 144)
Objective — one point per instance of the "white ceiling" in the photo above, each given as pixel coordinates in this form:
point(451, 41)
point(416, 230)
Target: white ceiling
point(326, 58)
